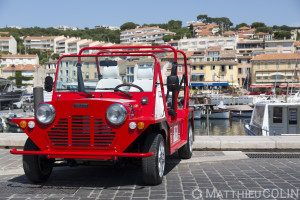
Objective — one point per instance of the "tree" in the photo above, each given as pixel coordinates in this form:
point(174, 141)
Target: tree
point(282, 35)
point(128, 25)
point(191, 27)
point(298, 36)
point(202, 17)
point(19, 78)
point(167, 38)
point(257, 24)
point(241, 25)
point(173, 25)
point(264, 30)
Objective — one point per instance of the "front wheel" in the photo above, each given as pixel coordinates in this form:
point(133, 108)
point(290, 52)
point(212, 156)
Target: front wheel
point(37, 168)
point(153, 167)
point(186, 151)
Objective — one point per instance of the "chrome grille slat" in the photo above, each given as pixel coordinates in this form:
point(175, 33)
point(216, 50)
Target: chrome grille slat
point(81, 131)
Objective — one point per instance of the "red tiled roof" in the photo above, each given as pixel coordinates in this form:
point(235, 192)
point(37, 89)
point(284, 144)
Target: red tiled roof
point(21, 68)
point(278, 56)
point(251, 31)
point(199, 24)
point(229, 33)
point(217, 48)
point(243, 36)
point(5, 33)
point(205, 32)
point(244, 28)
point(296, 43)
point(261, 33)
point(5, 38)
point(136, 29)
point(212, 26)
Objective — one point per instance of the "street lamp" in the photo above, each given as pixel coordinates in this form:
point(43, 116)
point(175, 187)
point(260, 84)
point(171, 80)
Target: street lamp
point(11, 91)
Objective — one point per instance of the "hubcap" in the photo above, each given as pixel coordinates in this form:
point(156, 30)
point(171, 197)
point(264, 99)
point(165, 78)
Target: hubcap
point(161, 159)
point(191, 139)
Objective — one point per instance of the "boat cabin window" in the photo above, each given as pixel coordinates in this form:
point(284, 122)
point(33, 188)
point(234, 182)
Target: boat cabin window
point(258, 115)
point(277, 115)
point(293, 116)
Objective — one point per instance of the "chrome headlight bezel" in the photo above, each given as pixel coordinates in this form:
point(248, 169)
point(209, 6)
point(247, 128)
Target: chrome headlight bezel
point(41, 113)
point(116, 109)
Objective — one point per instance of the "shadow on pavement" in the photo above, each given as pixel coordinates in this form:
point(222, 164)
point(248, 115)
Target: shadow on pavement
point(67, 180)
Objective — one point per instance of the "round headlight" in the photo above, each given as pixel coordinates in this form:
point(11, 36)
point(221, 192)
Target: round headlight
point(116, 113)
point(45, 113)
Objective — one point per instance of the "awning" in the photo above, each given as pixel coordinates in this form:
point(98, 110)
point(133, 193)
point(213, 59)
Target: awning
point(283, 85)
point(197, 74)
point(210, 84)
point(261, 86)
point(277, 73)
point(294, 85)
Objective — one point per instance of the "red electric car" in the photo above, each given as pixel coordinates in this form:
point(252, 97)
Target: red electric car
point(109, 103)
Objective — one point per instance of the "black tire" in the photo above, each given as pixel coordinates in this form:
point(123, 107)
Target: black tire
point(186, 151)
point(37, 168)
point(152, 173)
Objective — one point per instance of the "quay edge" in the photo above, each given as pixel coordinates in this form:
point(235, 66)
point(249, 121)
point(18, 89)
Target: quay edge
point(201, 143)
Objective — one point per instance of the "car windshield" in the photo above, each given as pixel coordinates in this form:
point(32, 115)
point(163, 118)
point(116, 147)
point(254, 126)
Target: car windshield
point(99, 73)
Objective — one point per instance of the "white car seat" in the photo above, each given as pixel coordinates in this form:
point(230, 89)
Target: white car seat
point(110, 78)
point(144, 79)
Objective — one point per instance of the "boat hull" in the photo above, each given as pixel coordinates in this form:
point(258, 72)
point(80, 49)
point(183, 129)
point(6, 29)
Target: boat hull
point(218, 115)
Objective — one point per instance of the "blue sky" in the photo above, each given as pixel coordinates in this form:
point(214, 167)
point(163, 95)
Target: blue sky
point(88, 13)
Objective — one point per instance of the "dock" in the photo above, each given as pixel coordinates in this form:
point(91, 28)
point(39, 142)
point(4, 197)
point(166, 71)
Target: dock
point(201, 143)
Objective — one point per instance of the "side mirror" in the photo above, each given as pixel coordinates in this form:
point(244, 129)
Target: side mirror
point(48, 84)
point(172, 83)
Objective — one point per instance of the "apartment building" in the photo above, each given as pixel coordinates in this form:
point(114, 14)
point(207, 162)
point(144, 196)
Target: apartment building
point(42, 42)
point(214, 74)
point(276, 69)
point(279, 46)
point(28, 70)
point(203, 43)
point(64, 28)
point(144, 35)
point(50, 68)
point(62, 45)
point(297, 46)
point(7, 60)
point(73, 47)
point(108, 27)
point(8, 45)
point(250, 47)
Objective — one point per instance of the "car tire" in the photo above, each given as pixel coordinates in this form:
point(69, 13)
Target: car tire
point(153, 167)
point(37, 168)
point(186, 151)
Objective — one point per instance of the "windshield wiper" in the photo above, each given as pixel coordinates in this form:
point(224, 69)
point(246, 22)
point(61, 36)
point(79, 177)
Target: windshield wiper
point(90, 94)
point(117, 89)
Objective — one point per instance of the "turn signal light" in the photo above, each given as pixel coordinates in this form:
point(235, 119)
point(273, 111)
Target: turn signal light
point(141, 125)
point(23, 124)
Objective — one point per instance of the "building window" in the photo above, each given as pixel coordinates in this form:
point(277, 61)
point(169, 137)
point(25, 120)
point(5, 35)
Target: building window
point(95, 76)
point(277, 65)
point(293, 116)
point(266, 65)
point(289, 64)
point(194, 67)
point(213, 67)
point(201, 67)
point(87, 65)
point(240, 70)
point(74, 73)
point(213, 77)
point(230, 67)
point(277, 115)
point(240, 61)
point(179, 68)
point(222, 68)
point(87, 75)
point(222, 77)
point(258, 65)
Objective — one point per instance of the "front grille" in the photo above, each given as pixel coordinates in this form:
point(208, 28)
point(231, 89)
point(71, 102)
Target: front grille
point(81, 131)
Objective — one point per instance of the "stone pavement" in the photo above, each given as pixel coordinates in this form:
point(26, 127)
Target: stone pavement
point(208, 175)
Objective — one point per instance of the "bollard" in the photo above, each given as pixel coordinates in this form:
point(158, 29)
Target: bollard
point(38, 96)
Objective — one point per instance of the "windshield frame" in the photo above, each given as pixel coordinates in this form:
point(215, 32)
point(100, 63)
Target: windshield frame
point(97, 66)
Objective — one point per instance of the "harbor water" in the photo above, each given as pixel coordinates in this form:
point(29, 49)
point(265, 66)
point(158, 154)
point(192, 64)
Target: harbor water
point(221, 127)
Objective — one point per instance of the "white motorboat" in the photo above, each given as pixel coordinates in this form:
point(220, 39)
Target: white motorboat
point(272, 119)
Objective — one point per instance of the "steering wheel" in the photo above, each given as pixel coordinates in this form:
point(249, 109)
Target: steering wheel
point(129, 84)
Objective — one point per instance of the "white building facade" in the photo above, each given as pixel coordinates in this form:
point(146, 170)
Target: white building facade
point(144, 35)
point(8, 45)
point(42, 42)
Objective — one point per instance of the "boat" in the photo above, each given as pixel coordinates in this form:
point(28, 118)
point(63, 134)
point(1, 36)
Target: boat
point(274, 119)
point(8, 93)
point(214, 113)
point(241, 113)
